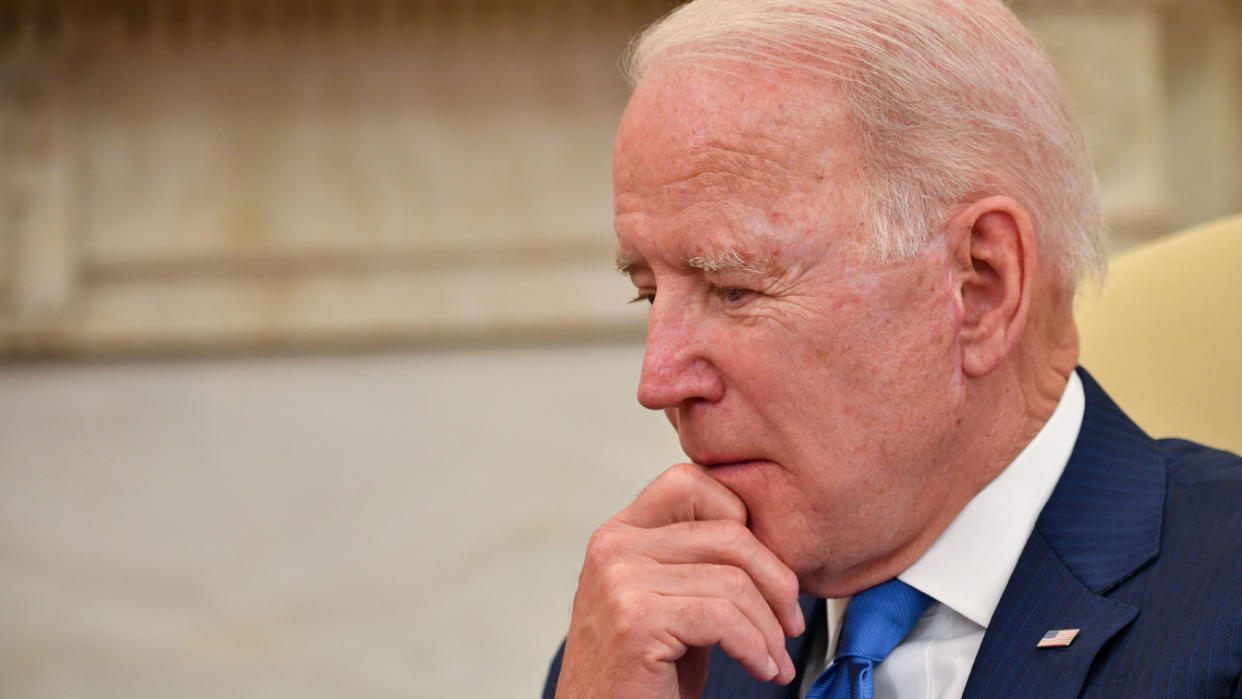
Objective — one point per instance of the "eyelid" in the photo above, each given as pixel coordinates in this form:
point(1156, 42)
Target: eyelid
point(732, 294)
point(642, 279)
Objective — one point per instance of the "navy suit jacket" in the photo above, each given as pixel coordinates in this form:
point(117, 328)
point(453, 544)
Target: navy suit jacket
point(1139, 547)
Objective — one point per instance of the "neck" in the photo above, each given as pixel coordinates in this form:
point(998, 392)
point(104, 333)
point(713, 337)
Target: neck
point(1003, 412)
point(1008, 407)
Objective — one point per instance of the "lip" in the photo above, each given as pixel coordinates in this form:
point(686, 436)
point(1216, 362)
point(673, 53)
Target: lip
point(733, 465)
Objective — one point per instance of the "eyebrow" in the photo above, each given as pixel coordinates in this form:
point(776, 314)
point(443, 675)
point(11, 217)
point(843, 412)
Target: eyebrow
point(625, 265)
point(730, 260)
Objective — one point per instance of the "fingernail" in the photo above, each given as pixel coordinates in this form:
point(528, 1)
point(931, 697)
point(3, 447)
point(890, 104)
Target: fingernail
point(773, 670)
point(801, 621)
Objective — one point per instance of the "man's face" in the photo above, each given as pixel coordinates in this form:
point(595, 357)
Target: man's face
point(818, 386)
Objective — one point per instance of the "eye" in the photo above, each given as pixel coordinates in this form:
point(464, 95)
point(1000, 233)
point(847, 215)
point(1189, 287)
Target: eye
point(648, 297)
point(730, 294)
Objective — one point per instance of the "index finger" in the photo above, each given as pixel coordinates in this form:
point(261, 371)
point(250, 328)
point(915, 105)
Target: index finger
point(683, 493)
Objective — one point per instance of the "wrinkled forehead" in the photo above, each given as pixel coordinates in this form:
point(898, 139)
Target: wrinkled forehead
point(716, 160)
point(728, 117)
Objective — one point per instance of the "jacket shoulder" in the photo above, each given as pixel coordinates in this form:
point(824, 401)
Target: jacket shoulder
point(1190, 464)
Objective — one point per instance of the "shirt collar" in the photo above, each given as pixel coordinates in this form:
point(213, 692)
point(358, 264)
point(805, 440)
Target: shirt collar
point(968, 567)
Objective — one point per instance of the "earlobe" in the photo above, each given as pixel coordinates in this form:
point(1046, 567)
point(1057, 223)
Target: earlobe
point(994, 256)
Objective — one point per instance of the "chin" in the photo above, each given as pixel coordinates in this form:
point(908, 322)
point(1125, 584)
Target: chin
point(778, 514)
point(786, 538)
point(825, 567)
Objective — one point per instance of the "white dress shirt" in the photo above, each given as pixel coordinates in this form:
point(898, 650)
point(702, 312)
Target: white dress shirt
point(965, 571)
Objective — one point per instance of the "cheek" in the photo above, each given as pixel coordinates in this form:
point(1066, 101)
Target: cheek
point(884, 359)
point(918, 327)
point(934, 329)
point(855, 335)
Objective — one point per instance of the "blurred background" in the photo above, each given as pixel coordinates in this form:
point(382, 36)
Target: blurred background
point(314, 373)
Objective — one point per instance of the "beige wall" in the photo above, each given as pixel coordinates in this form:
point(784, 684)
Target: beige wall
point(190, 176)
point(183, 177)
point(404, 525)
point(197, 175)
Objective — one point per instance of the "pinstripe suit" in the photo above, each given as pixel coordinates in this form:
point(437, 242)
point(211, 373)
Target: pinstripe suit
point(1140, 547)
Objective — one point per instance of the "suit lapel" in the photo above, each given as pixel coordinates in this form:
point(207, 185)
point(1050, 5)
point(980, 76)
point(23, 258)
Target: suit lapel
point(1046, 596)
point(1101, 524)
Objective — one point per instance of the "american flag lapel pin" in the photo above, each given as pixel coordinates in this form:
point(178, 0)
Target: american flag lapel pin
point(1057, 638)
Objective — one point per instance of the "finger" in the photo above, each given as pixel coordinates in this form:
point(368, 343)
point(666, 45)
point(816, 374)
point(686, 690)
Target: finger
point(727, 582)
point(683, 493)
point(723, 542)
point(703, 621)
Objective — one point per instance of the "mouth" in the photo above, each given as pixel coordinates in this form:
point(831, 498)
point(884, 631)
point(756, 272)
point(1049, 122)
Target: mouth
point(731, 465)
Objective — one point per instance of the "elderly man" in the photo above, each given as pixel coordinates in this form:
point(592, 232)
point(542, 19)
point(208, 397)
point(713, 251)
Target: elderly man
point(860, 224)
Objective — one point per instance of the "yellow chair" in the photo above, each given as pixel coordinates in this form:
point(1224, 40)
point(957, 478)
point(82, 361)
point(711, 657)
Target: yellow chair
point(1164, 336)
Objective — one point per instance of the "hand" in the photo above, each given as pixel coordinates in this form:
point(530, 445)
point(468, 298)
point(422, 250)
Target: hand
point(673, 573)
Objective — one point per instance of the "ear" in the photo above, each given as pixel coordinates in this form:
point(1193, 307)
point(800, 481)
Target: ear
point(993, 251)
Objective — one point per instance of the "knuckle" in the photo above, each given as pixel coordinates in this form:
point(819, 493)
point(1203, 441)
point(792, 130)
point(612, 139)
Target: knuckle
point(746, 636)
point(603, 546)
point(721, 611)
point(787, 585)
point(687, 470)
point(630, 615)
point(759, 645)
point(736, 581)
point(735, 534)
point(680, 477)
point(616, 574)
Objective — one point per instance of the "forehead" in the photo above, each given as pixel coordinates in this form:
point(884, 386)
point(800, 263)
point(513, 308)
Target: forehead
point(736, 118)
point(736, 151)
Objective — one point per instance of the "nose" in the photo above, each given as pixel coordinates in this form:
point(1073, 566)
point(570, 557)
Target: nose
point(677, 366)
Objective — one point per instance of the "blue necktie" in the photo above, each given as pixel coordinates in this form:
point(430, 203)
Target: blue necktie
point(875, 622)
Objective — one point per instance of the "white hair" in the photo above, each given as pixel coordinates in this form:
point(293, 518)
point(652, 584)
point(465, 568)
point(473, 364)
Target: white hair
point(953, 101)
